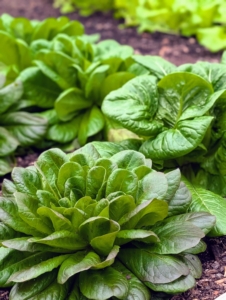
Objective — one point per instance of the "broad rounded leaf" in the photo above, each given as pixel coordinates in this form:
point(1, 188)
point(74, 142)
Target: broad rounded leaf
point(109, 281)
point(153, 267)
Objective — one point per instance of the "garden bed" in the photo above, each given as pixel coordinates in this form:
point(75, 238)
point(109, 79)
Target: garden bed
point(176, 49)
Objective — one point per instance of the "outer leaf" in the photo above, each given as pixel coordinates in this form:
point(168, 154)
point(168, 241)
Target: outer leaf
point(38, 269)
point(39, 87)
point(180, 285)
point(137, 290)
point(157, 65)
point(26, 180)
point(175, 237)
point(152, 267)
point(203, 220)
point(109, 281)
point(76, 263)
point(203, 200)
point(26, 127)
point(10, 95)
point(9, 215)
point(8, 142)
point(177, 142)
point(55, 291)
point(24, 291)
point(194, 264)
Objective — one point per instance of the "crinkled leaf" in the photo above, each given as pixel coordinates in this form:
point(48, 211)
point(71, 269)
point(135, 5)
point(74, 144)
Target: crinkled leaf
point(178, 141)
point(138, 102)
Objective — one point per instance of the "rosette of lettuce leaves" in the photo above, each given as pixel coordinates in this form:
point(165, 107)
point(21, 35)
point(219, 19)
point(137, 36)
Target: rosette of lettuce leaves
point(98, 223)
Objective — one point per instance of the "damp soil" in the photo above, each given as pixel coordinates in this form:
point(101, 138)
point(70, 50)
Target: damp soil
point(176, 49)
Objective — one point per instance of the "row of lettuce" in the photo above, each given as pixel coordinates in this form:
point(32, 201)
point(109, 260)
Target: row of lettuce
point(201, 18)
point(134, 208)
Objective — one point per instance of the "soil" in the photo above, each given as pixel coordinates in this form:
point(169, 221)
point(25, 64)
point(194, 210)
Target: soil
point(178, 50)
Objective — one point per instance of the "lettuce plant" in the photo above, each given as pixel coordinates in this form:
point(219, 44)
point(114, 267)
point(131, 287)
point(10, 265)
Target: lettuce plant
point(20, 38)
point(17, 128)
point(179, 115)
point(98, 223)
point(85, 7)
point(202, 18)
point(69, 82)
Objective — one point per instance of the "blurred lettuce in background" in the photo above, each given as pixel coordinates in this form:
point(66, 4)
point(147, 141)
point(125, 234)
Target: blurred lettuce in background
point(204, 19)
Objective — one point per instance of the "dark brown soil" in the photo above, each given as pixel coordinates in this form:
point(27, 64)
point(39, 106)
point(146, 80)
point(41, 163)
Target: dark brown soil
point(176, 49)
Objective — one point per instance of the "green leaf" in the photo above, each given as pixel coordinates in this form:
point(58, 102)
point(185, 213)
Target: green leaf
point(10, 94)
point(153, 267)
point(9, 216)
point(109, 281)
point(180, 285)
point(176, 236)
point(59, 222)
point(206, 201)
point(26, 290)
point(173, 179)
point(38, 269)
point(7, 233)
point(94, 181)
point(62, 239)
point(202, 220)
point(145, 236)
point(6, 165)
point(55, 291)
point(153, 185)
point(77, 263)
point(64, 132)
point(121, 205)
point(180, 201)
point(137, 290)
point(66, 171)
point(157, 65)
point(8, 142)
point(48, 165)
point(100, 233)
point(92, 122)
point(28, 211)
point(138, 102)
point(114, 81)
point(128, 159)
point(194, 264)
point(122, 180)
point(57, 66)
point(39, 87)
point(95, 82)
point(145, 214)
point(26, 127)
point(26, 180)
point(20, 262)
point(70, 103)
point(178, 141)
